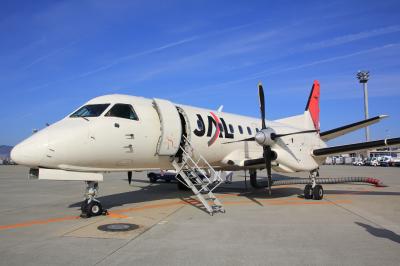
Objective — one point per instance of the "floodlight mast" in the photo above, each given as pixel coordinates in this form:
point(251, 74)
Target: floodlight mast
point(363, 77)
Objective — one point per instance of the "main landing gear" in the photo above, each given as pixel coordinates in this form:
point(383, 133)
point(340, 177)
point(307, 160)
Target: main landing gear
point(91, 206)
point(313, 190)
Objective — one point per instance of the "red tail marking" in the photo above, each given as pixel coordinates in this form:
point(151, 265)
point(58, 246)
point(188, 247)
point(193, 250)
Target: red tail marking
point(313, 104)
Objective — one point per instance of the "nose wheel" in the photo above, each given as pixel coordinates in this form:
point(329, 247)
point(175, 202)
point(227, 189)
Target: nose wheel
point(313, 190)
point(91, 206)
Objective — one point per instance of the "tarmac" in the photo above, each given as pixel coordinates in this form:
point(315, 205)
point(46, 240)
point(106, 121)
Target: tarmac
point(355, 224)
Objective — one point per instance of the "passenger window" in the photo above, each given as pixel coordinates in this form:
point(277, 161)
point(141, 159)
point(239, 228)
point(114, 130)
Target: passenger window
point(249, 130)
point(90, 110)
point(240, 129)
point(231, 128)
point(122, 111)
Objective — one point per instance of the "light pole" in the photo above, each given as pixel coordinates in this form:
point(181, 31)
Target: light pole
point(363, 77)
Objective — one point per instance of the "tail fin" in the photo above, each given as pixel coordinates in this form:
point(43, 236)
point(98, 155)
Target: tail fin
point(310, 118)
point(313, 104)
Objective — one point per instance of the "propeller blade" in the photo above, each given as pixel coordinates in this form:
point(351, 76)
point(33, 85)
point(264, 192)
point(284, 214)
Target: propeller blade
point(274, 136)
point(248, 139)
point(130, 177)
point(262, 105)
point(267, 157)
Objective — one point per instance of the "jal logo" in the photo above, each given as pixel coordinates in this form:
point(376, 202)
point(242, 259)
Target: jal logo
point(216, 128)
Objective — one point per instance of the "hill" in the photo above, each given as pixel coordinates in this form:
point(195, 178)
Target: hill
point(5, 151)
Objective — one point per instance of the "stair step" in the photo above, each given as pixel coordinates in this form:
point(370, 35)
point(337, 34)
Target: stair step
point(192, 174)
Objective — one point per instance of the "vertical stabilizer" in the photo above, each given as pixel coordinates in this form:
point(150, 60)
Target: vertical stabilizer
point(313, 104)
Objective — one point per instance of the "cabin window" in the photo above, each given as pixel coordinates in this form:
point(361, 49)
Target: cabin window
point(123, 111)
point(249, 130)
point(231, 128)
point(90, 110)
point(240, 129)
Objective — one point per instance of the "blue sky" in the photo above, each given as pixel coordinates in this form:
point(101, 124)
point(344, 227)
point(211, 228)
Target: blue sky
point(55, 55)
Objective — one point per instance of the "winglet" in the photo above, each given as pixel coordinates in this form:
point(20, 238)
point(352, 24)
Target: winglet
point(313, 104)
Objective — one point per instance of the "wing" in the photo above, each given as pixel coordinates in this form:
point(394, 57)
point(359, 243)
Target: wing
point(337, 132)
point(356, 147)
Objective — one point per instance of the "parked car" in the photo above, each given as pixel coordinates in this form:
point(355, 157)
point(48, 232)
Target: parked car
point(395, 161)
point(358, 162)
point(166, 176)
point(385, 161)
point(372, 161)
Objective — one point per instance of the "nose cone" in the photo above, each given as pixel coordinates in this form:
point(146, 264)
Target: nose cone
point(31, 151)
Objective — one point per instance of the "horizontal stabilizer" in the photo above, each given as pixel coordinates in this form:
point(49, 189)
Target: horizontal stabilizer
point(340, 131)
point(356, 147)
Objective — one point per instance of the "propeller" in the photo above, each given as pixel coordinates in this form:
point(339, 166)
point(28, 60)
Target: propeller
point(130, 177)
point(267, 148)
point(274, 136)
point(262, 105)
point(267, 136)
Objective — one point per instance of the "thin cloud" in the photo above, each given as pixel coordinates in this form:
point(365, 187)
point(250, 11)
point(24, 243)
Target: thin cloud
point(128, 57)
point(164, 47)
point(273, 72)
point(352, 37)
point(135, 55)
point(46, 56)
point(327, 60)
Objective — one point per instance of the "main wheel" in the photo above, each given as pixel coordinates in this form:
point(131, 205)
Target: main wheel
point(152, 177)
point(308, 192)
point(94, 208)
point(318, 192)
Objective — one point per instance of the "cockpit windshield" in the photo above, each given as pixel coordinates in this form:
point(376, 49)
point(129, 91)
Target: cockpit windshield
point(123, 111)
point(90, 110)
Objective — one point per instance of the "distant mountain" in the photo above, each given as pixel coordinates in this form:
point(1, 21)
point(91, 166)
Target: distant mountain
point(5, 151)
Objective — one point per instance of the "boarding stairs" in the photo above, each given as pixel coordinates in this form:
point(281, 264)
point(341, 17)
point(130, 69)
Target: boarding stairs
point(198, 175)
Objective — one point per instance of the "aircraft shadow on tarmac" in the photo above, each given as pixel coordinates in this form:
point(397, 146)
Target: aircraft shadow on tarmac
point(380, 232)
point(163, 190)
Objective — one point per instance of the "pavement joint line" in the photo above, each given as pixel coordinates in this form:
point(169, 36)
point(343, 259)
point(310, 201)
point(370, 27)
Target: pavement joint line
point(85, 225)
point(337, 204)
point(288, 201)
point(144, 231)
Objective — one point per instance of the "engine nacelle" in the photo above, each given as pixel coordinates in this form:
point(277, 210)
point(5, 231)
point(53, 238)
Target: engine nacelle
point(264, 137)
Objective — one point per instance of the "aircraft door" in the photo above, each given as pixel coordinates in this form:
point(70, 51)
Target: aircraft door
point(113, 137)
point(171, 127)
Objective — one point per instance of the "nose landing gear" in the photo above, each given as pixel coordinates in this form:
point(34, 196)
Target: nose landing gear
point(91, 206)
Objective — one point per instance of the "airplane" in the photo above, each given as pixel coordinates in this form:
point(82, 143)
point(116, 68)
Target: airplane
point(122, 133)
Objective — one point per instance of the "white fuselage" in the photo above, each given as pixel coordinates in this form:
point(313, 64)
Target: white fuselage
point(108, 143)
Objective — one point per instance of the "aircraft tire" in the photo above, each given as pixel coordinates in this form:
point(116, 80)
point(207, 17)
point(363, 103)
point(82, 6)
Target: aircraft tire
point(94, 208)
point(318, 192)
point(308, 192)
